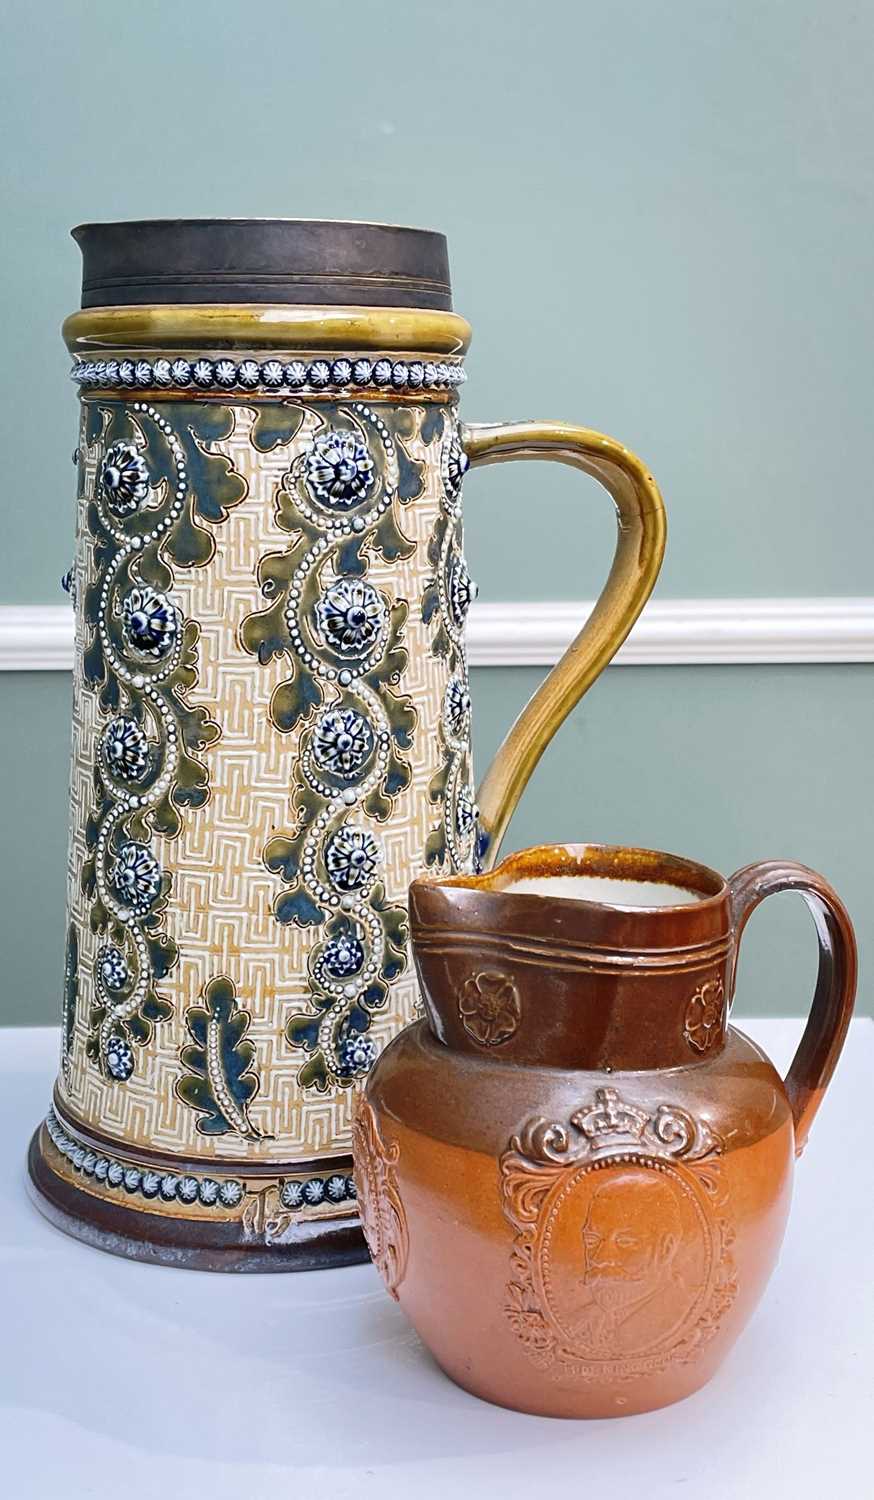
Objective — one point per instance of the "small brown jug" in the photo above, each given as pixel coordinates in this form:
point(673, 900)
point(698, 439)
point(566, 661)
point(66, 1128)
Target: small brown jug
point(573, 1175)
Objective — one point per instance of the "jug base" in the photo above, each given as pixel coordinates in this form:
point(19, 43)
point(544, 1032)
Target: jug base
point(565, 1406)
point(250, 1242)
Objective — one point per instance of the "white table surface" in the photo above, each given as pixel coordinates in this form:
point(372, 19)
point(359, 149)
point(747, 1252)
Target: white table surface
point(127, 1380)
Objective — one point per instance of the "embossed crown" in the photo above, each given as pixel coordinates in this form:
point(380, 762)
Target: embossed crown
point(610, 1117)
point(610, 1125)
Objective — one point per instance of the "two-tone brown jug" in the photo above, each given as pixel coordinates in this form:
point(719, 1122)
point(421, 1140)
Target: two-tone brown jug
point(271, 714)
point(574, 1175)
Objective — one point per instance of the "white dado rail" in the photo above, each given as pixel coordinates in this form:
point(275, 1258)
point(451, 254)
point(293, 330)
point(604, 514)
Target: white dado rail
point(670, 632)
point(683, 632)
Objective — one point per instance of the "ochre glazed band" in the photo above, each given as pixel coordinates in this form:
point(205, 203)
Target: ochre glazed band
point(267, 326)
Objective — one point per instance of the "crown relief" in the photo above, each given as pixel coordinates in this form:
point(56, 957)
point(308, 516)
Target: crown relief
point(612, 1126)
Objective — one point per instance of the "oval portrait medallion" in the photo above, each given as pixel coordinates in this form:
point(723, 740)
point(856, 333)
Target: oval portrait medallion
point(621, 1258)
point(626, 1260)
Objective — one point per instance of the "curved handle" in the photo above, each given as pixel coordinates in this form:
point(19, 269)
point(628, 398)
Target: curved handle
point(832, 1006)
point(640, 547)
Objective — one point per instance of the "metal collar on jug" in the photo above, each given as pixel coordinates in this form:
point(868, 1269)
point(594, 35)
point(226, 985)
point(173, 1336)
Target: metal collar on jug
point(166, 261)
point(291, 284)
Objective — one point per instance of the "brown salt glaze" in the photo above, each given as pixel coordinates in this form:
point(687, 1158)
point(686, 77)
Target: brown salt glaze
point(573, 1175)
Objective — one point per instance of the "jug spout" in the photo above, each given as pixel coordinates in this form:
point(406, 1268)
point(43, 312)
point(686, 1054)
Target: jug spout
point(577, 956)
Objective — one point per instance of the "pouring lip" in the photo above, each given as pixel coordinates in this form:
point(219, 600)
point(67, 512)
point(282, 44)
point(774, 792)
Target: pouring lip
point(611, 861)
point(577, 984)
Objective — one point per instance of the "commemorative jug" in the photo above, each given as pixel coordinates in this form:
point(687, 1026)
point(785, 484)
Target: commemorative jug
point(574, 1174)
point(271, 714)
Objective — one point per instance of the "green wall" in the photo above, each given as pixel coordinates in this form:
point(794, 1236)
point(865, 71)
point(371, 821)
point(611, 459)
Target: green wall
point(727, 765)
point(660, 216)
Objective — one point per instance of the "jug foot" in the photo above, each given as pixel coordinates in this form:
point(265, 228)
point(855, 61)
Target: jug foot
point(295, 1219)
point(579, 1405)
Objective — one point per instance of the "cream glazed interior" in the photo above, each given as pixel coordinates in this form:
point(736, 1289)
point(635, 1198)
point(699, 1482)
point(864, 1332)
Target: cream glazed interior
point(604, 890)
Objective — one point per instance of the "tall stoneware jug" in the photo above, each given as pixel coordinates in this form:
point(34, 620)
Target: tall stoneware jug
point(271, 714)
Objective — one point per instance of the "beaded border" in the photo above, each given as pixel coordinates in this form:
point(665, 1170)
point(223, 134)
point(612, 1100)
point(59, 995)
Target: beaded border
point(187, 1190)
point(270, 376)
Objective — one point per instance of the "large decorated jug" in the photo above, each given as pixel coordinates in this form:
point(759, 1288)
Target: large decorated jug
point(271, 714)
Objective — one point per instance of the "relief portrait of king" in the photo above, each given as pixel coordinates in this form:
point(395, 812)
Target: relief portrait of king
point(641, 1275)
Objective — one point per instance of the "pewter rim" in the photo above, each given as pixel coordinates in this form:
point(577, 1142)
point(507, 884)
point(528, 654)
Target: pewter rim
point(255, 219)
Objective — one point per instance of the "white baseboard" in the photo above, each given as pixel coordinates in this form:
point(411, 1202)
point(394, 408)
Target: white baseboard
point(670, 632)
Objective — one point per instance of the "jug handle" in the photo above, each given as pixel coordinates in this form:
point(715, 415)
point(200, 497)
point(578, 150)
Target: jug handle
point(832, 1005)
point(640, 545)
